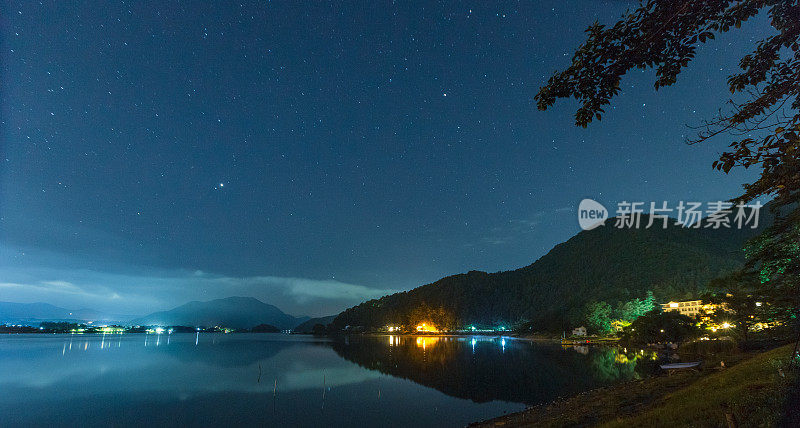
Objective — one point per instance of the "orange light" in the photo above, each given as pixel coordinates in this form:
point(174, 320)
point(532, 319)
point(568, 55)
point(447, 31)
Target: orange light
point(424, 342)
point(426, 328)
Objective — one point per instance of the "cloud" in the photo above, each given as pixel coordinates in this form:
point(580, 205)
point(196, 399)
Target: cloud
point(139, 294)
point(512, 229)
point(57, 287)
point(518, 228)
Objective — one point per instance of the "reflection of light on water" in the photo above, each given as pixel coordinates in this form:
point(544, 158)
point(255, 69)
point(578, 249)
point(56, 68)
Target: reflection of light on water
point(423, 342)
point(196, 338)
point(394, 340)
point(473, 341)
point(503, 344)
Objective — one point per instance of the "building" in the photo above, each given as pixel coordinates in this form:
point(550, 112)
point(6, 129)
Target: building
point(580, 331)
point(690, 308)
point(619, 325)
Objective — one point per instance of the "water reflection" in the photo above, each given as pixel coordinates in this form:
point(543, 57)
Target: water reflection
point(215, 380)
point(484, 369)
point(219, 380)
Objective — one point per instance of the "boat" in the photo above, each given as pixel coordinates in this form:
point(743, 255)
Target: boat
point(681, 366)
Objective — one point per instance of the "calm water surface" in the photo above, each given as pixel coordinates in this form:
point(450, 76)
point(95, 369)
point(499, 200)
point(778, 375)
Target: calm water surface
point(280, 380)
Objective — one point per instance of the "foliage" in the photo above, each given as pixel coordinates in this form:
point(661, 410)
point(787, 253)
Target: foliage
point(635, 308)
point(598, 317)
point(774, 258)
point(59, 327)
point(664, 34)
point(724, 345)
point(660, 327)
point(318, 330)
point(742, 303)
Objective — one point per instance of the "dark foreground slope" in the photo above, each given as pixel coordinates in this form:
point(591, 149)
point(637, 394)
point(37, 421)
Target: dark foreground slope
point(758, 391)
point(604, 264)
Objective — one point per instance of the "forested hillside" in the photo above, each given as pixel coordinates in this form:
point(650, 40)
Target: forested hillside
point(605, 264)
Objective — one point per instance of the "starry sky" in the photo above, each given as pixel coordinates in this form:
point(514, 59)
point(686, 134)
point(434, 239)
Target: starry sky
point(314, 154)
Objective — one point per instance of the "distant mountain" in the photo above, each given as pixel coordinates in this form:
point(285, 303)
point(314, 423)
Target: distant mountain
point(604, 264)
point(232, 312)
point(31, 313)
point(308, 326)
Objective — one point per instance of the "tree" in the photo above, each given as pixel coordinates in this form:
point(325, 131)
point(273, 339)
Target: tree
point(598, 317)
point(656, 326)
point(742, 303)
point(635, 308)
point(318, 330)
point(773, 260)
point(265, 328)
point(664, 34)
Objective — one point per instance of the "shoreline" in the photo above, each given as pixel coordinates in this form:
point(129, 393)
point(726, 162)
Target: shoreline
point(749, 391)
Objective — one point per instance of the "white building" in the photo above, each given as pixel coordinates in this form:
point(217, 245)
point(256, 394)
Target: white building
point(689, 308)
point(580, 331)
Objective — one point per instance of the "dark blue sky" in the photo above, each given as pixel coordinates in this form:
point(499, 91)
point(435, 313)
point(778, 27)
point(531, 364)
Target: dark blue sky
point(314, 155)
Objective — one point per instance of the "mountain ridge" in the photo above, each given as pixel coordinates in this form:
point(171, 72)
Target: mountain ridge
point(606, 263)
point(233, 312)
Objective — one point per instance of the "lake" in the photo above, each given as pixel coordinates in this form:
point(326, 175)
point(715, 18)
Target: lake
point(214, 379)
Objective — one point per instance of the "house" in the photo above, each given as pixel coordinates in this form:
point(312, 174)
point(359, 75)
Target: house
point(580, 331)
point(619, 325)
point(690, 308)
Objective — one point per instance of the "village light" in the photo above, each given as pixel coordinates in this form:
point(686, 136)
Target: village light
point(425, 328)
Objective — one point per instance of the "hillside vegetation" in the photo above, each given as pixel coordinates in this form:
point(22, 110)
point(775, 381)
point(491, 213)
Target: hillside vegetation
point(604, 264)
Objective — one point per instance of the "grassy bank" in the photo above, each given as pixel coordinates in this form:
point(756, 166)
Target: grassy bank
point(751, 393)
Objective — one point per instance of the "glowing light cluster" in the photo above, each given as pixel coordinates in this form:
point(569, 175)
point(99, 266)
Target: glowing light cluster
point(427, 328)
point(424, 342)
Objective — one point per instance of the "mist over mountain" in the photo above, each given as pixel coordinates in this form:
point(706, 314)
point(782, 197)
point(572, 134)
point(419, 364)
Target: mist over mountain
point(32, 313)
point(232, 312)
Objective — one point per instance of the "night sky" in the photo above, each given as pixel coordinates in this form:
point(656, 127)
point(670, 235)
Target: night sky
point(315, 155)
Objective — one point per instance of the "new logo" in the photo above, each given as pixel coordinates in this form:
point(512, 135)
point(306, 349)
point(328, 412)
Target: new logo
point(591, 214)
